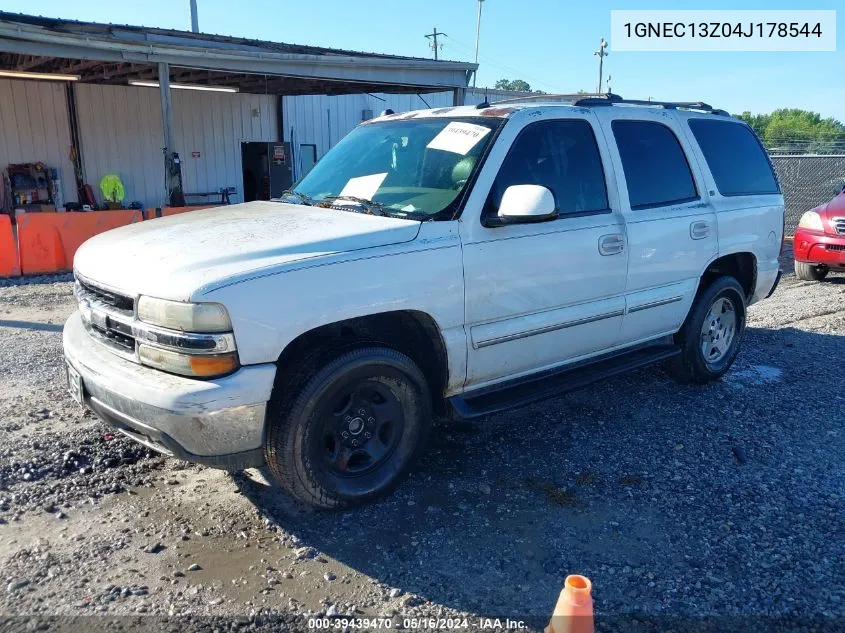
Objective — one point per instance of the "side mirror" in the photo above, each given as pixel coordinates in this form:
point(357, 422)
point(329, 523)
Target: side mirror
point(522, 204)
point(840, 188)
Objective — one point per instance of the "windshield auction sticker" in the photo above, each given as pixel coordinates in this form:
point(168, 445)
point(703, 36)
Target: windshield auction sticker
point(364, 186)
point(458, 137)
point(720, 30)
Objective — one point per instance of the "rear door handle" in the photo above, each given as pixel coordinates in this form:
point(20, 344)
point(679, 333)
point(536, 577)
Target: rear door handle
point(611, 244)
point(699, 230)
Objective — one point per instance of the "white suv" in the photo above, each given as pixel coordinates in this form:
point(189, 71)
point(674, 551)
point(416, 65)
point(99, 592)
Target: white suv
point(454, 261)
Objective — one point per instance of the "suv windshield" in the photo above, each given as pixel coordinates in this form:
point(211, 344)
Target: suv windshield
point(414, 168)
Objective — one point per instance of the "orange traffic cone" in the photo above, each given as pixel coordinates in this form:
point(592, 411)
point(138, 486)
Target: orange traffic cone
point(574, 609)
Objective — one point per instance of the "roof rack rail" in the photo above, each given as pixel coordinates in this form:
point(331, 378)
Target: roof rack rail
point(607, 99)
point(562, 98)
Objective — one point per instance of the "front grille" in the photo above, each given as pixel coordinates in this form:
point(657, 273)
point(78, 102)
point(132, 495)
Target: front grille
point(838, 225)
point(835, 247)
point(110, 337)
point(106, 298)
point(108, 316)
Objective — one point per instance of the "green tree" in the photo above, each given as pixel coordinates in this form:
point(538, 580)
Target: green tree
point(519, 85)
point(795, 130)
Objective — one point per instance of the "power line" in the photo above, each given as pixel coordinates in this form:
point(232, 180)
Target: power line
point(491, 62)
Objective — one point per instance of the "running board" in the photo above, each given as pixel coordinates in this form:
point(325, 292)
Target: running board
point(554, 382)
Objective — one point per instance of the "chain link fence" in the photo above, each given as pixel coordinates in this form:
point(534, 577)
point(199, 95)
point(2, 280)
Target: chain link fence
point(807, 180)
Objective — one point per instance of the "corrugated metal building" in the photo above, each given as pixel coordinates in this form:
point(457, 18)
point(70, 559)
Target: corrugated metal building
point(120, 132)
point(314, 123)
point(34, 127)
point(66, 101)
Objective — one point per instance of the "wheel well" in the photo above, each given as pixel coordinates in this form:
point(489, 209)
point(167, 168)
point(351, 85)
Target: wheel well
point(740, 266)
point(410, 332)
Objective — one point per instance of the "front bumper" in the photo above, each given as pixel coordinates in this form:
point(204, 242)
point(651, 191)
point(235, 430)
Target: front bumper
point(819, 248)
point(218, 423)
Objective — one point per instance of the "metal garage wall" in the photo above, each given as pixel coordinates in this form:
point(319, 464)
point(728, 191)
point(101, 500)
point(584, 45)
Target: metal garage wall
point(215, 124)
point(121, 132)
point(323, 120)
point(34, 127)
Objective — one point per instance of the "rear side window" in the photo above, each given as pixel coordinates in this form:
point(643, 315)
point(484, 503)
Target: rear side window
point(656, 169)
point(737, 161)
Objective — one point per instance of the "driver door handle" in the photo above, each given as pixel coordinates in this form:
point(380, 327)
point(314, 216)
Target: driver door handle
point(611, 244)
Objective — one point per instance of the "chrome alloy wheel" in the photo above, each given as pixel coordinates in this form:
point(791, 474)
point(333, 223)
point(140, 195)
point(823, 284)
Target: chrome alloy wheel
point(718, 330)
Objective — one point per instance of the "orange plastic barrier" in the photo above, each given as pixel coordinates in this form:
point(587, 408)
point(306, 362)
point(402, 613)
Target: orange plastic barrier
point(9, 265)
point(47, 242)
point(150, 214)
point(574, 609)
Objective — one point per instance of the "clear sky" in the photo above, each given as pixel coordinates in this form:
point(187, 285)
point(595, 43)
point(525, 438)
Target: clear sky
point(549, 43)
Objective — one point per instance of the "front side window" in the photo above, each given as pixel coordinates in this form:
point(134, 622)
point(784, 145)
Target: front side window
point(561, 156)
point(735, 157)
point(656, 169)
point(412, 168)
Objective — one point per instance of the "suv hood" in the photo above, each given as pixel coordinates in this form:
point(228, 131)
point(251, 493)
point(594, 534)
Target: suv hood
point(177, 256)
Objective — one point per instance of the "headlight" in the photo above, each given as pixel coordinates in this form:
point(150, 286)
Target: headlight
point(811, 220)
point(187, 317)
point(201, 366)
point(194, 340)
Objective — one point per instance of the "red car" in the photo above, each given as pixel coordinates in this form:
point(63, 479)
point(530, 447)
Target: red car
point(819, 245)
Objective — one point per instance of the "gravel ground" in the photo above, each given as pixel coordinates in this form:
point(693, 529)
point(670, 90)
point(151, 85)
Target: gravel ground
point(718, 506)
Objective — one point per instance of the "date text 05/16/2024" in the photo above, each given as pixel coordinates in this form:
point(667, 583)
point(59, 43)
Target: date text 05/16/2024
point(432, 624)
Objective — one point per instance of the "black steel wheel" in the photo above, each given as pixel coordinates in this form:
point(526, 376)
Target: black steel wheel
point(353, 431)
point(362, 425)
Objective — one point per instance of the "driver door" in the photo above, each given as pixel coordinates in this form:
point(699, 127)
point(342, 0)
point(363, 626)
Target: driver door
point(544, 294)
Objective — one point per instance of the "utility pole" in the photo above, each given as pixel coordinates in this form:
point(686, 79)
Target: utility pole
point(195, 26)
point(602, 53)
point(433, 37)
point(477, 38)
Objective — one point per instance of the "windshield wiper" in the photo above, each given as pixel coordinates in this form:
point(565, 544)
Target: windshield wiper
point(375, 208)
point(304, 199)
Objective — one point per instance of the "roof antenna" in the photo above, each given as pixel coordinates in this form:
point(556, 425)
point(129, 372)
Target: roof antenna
point(485, 103)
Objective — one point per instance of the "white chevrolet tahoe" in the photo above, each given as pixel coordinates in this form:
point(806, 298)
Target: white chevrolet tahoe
point(456, 262)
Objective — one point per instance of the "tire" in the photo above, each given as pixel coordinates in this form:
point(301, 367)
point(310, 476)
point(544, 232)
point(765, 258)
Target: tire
point(352, 432)
point(710, 342)
point(811, 272)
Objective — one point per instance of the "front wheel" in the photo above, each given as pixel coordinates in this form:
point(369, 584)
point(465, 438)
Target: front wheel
point(811, 272)
point(710, 337)
point(352, 432)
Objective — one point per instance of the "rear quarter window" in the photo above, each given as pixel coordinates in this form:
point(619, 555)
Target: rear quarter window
point(735, 157)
